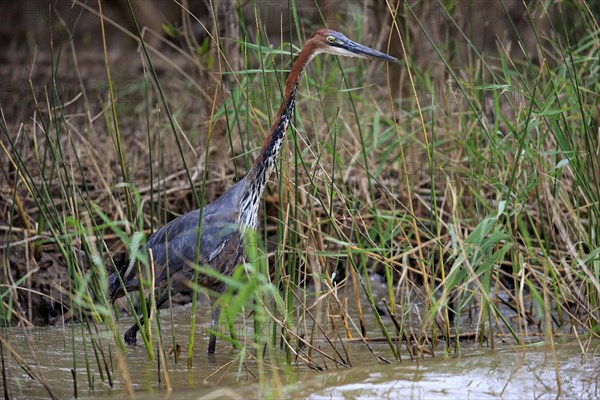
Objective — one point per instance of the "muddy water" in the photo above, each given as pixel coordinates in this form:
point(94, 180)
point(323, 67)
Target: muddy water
point(508, 371)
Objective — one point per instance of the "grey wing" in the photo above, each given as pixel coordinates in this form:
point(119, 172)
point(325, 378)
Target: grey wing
point(174, 245)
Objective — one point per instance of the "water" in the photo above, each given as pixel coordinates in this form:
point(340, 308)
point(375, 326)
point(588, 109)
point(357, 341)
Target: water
point(506, 372)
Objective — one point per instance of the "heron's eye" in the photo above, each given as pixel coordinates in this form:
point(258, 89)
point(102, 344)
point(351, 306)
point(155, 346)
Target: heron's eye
point(330, 39)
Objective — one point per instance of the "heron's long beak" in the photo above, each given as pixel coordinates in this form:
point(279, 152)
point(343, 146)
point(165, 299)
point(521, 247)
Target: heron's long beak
point(352, 49)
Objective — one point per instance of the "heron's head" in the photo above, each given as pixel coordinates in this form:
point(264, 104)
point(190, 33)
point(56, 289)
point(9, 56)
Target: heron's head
point(332, 42)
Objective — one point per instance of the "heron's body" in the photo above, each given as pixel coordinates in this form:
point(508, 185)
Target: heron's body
point(172, 252)
point(223, 221)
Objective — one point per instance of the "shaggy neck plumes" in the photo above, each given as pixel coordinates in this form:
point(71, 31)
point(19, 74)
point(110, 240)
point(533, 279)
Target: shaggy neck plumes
point(265, 162)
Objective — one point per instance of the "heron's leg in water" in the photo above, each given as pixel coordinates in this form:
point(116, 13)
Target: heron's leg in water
point(212, 341)
point(131, 334)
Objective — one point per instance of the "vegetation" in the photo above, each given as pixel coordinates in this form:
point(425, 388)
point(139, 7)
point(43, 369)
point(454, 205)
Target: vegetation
point(417, 208)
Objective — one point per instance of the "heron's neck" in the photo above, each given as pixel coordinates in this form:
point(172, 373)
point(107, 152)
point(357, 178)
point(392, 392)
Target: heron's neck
point(265, 162)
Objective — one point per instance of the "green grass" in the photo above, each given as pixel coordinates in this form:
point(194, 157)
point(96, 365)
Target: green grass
point(475, 197)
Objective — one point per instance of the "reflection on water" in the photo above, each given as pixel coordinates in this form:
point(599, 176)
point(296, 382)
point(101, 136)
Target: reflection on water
point(507, 372)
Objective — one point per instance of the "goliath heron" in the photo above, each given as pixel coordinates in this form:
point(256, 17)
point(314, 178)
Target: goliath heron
point(223, 221)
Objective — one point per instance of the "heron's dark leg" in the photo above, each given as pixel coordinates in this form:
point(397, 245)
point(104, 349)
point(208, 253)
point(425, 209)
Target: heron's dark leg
point(131, 334)
point(212, 341)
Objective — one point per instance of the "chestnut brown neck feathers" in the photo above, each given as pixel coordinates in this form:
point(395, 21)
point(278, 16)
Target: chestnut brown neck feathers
point(322, 41)
point(265, 162)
